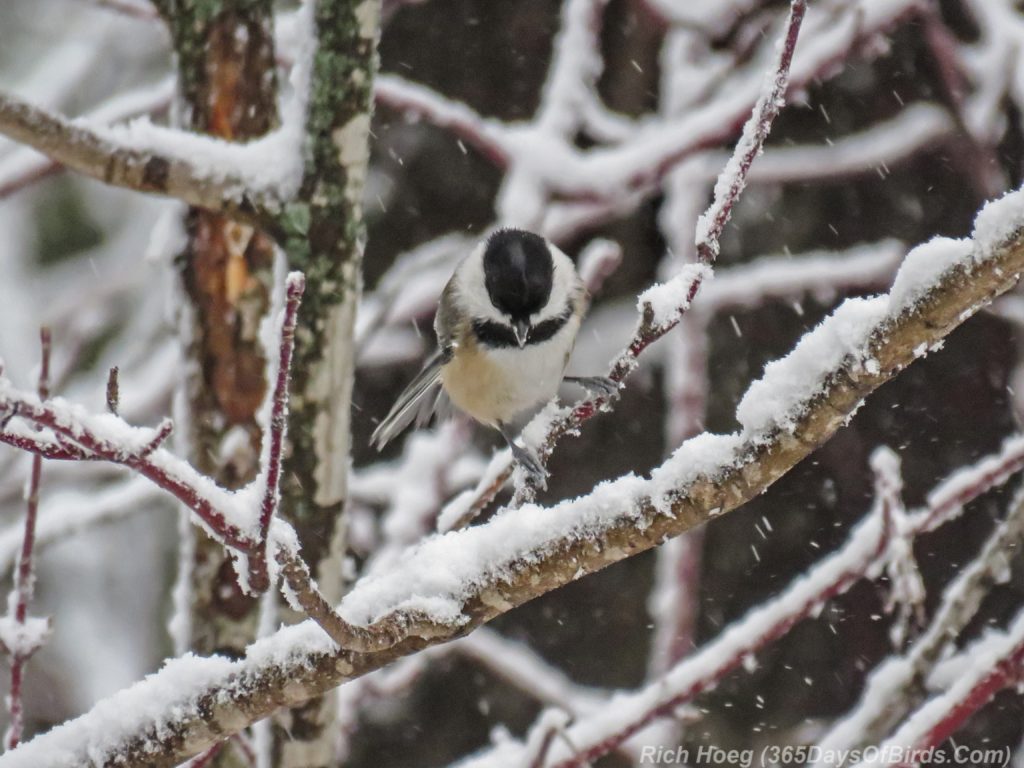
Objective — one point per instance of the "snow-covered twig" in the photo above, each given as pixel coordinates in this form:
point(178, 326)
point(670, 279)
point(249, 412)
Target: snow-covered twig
point(986, 667)
point(898, 684)
point(22, 636)
point(275, 430)
point(732, 180)
point(24, 166)
point(226, 515)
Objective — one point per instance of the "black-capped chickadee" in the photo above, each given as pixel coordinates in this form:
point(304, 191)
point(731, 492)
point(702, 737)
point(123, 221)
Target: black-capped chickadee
point(506, 324)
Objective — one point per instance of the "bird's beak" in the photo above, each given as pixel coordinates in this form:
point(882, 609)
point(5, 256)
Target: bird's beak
point(521, 329)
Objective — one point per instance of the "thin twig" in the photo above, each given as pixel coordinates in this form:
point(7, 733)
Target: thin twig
point(24, 578)
point(170, 476)
point(378, 637)
point(732, 180)
point(276, 430)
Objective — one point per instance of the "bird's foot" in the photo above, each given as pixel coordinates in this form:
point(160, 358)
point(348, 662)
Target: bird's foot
point(597, 385)
point(531, 464)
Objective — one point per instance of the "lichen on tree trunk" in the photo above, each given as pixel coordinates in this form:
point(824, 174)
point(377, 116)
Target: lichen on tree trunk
point(325, 238)
point(226, 61)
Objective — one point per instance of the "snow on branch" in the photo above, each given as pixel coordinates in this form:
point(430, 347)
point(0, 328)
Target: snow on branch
point(868, 549)
point(243, 180)
point(447, 585)
point(71, 432)
point(983, 669)
point(24, 166)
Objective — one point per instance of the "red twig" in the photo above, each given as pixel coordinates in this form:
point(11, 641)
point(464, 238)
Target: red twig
point(649, 330)
point(734, 177)
point(162, 433)
point(24, 579)
point(276, 429)
point(54, 451)
point(1006, 673)
point(80, 438)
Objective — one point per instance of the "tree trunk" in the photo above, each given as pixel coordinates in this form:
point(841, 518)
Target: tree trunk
point(325, 239)
point(228, 89)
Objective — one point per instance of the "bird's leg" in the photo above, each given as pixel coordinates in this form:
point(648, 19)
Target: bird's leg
point(596, 385)
point(526, 458)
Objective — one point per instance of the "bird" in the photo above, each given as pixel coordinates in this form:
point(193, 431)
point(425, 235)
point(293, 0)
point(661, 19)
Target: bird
point(506, 324)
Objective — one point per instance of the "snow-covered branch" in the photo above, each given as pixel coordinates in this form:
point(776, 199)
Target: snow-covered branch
point(449, 584)
point(869, 548)
point(201, 171)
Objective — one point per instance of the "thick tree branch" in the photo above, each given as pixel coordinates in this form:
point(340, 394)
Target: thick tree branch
point(708, 476)
point(92, 154)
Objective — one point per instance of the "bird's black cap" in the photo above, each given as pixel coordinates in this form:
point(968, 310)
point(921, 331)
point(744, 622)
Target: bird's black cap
point(518, 271)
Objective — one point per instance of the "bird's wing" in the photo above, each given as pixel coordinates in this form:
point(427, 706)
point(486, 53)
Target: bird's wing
point(424, 396)
point(414, 403)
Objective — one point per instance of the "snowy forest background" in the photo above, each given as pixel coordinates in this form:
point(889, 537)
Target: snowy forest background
point(603, 125)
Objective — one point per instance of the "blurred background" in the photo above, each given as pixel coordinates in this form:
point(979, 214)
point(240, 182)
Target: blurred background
point(97, 265)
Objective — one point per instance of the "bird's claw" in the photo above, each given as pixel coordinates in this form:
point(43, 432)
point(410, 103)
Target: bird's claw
point(598, 385)
point(531, 464)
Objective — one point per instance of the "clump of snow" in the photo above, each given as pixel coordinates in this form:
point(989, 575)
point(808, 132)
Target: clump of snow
point(777, 399)
point(670, 299)
point(998, 221)
point(922, 269)
point(22, 638)
point(705, 454)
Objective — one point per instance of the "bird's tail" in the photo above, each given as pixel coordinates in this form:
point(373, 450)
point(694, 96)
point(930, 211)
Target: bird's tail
point(414, 403)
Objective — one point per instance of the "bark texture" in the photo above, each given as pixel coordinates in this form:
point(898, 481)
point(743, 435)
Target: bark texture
point(325, 239)
point(228, 89)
